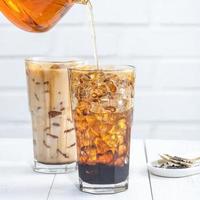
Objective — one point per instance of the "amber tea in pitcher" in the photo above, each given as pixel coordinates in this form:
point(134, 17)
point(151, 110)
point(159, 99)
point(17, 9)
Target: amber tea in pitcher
point(36, 15)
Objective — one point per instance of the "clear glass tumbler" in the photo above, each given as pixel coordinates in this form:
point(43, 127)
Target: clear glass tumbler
point(54, 138)
point(102, 106)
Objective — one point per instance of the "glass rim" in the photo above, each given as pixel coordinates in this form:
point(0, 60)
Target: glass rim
point(54, 60)
point(106, 68)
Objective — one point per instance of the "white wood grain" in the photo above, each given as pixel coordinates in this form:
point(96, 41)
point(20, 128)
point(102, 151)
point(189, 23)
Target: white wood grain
point(17, 179)
point(174, 188)
point(65, 186)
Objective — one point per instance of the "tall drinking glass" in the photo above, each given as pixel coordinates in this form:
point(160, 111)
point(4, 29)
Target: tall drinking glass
point(102, 105)
point(49, 102)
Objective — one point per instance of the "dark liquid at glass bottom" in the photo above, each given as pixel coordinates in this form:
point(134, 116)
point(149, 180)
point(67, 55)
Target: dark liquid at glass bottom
point(103, 174)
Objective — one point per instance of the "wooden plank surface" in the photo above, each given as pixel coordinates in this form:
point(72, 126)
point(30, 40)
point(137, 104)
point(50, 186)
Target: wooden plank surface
point(17, 179)
point(66, 186)
point(174, 188)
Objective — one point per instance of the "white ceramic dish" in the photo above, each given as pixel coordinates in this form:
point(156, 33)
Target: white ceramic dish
point(172, 173)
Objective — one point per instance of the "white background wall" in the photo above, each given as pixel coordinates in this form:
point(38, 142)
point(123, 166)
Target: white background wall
point(161, 38)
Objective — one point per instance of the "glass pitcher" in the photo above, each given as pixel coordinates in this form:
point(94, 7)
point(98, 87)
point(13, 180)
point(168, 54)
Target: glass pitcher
point(36, 15)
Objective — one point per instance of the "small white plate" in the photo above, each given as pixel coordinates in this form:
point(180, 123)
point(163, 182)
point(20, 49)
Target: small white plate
point(172, 173)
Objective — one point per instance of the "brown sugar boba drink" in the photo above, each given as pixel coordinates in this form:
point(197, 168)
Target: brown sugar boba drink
point(102, 104)
point(49, 102)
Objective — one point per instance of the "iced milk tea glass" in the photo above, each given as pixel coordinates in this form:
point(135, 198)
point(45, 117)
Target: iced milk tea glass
point(54, 141)
point(102, 106)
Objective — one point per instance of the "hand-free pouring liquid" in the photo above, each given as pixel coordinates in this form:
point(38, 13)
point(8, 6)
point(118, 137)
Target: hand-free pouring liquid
point(93, 30)
point(112, 160)
point(40, 16)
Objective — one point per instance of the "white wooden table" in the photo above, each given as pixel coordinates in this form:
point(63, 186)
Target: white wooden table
point(18, 181)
